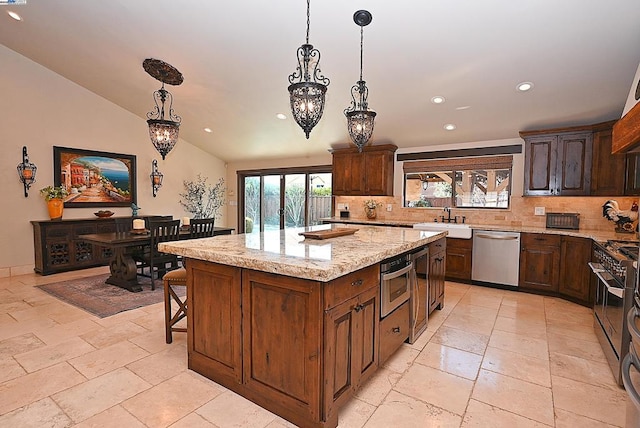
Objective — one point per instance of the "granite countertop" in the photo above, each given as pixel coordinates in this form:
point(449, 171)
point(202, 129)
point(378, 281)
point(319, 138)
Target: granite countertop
point(285, 252)
point(596, 235)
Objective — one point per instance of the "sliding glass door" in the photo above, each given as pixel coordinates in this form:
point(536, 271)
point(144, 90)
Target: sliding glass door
point(280, 199)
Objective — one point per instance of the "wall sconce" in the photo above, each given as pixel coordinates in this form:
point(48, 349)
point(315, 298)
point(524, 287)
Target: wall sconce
point(156, 177)
point(26, 171)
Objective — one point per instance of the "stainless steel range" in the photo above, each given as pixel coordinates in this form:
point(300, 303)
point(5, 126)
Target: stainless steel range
point(616, 278)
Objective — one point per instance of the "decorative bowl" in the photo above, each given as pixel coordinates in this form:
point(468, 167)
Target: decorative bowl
point(103, 214)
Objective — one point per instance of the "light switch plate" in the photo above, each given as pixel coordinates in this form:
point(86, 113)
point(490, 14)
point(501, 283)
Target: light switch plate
point(539, 211)
point(389, 207)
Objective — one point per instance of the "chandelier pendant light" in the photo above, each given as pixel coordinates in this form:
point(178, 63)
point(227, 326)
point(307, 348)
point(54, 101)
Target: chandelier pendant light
point(164, 124)
point(359, 118)
point(308, 86)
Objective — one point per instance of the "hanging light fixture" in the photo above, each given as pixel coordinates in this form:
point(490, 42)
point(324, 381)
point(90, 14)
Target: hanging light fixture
point(156, 177)
point(26, 171)
point(307, 86)
point(163, 132)
point(359, 117)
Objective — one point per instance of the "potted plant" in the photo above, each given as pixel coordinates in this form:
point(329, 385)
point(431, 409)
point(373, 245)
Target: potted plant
point(370, 206)
point(54, 197)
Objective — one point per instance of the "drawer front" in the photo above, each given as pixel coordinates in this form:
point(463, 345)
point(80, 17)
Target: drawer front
point(344, 288)
point(394, 330)
point(437, 246)
point(540, 239)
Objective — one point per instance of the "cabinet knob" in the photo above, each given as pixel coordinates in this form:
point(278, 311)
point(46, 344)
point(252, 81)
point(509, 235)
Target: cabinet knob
point(358, 308)
point(357, 283)
point(396, 329)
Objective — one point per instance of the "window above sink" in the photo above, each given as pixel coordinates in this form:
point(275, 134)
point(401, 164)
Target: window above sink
point(478, 182)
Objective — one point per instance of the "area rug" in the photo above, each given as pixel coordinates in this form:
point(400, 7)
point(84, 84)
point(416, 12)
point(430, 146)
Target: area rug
point(93, 295)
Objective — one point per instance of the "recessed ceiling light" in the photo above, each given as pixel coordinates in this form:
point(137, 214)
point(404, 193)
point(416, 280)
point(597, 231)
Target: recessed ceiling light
point(208, 130)
point(14, 15)
point(449, 127)
point(463, 107)
point(524, 86)
point(437, 99)
point(281, 116)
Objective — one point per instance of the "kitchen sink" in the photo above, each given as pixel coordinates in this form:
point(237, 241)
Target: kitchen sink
point(456, 230)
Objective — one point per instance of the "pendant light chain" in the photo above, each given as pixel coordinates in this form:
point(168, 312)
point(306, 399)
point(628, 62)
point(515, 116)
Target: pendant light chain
point(308, 19)
point(361, 49)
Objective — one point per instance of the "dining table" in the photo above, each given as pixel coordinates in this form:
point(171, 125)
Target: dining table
point(122, 266)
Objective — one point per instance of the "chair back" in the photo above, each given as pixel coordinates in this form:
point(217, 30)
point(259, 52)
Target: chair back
point(123, 225)
point(163, 231)
point(201, 228)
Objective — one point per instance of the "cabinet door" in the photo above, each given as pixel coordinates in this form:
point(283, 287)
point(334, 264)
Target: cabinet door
point(606, 178)
point(575, 274)
point(540, 158)
point(214, 319)
point(351, 353)
point(437, 256)
point(281, 327)
point(632, 182)
point(459, 255)
point(539, 262)
point(58, 248)
point(348, 174)
point(379, 173)
point(573, 171)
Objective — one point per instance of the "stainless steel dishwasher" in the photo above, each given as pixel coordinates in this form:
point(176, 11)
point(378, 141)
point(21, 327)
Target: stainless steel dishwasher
point(496, 257)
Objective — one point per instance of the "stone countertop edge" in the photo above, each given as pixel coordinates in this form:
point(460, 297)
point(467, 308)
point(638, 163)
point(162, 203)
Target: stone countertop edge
point(596, 235)
point(285, 252)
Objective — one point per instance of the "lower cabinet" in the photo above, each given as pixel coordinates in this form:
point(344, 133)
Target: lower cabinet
point(539, 262)
point(459, 255)
point(394, 331)
point(437, 269)
point(556, 265)
point(296, 347)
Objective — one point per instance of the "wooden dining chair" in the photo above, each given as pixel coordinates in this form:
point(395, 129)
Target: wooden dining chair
point(171, 280)
point(201, 228)
point(155, 260)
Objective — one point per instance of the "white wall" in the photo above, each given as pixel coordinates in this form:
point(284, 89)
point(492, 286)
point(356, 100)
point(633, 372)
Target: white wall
point(40, 109)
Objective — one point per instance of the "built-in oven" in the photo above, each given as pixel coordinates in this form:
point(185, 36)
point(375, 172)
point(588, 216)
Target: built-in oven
point(395, 283)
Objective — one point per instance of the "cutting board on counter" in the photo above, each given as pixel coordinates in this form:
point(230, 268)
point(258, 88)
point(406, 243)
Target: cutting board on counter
point(329, 233)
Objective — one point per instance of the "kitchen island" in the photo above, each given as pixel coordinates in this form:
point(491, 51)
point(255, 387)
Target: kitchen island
point(290, 323)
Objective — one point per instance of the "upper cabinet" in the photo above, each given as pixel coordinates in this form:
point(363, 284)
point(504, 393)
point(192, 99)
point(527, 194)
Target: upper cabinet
point(578, 161)
point(557, 164)
point(369, 173)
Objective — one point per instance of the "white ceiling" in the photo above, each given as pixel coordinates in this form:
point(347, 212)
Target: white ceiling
point(236, 57)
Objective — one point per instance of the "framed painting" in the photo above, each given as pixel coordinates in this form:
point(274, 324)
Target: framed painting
point(95, 179)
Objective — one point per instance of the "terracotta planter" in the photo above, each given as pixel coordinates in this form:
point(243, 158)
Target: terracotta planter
point(371, 213)
point(55, 207)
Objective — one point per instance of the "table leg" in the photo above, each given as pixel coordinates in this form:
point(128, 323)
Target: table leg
point(123, 270)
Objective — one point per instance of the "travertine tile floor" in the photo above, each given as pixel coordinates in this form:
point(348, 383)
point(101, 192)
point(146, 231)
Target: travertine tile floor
point(490, 358)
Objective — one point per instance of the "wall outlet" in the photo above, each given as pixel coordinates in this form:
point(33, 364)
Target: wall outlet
point(538, 211)
point(346, 207)
point(389, 207)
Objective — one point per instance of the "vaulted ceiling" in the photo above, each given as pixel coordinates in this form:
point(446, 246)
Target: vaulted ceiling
point(236, 56)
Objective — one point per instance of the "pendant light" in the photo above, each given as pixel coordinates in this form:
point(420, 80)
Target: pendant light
point(163, 131)
point(307, 86)
point(359, 117)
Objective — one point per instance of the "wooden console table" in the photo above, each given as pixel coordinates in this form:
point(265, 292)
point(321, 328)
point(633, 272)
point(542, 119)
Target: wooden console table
point(59, 248)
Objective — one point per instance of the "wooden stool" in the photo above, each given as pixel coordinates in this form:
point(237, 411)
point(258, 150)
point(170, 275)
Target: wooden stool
point(177, 277)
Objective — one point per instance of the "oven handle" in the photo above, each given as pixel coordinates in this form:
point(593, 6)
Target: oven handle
point(629, 361)
point(631, 322)
point(599, 271)
point(391, 275)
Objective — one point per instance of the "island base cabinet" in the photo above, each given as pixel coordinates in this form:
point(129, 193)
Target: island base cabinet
point(214, 322)
point(351, 348)
point(282, 349)
point(437, 272)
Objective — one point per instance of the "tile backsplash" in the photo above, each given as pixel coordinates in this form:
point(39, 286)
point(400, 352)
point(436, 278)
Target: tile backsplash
point(521, 212)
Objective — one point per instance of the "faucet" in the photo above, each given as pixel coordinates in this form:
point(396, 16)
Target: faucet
point(448, 219)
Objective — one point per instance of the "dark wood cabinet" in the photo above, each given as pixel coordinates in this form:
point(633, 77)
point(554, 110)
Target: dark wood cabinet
point(297, 347)
point(459, 255)
point(632, 174)
point(539, 262)
point(366, 173)
point(558, 164)
point(607, 178)
point(437, 269)
point(575, 275)
point(59, 248)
